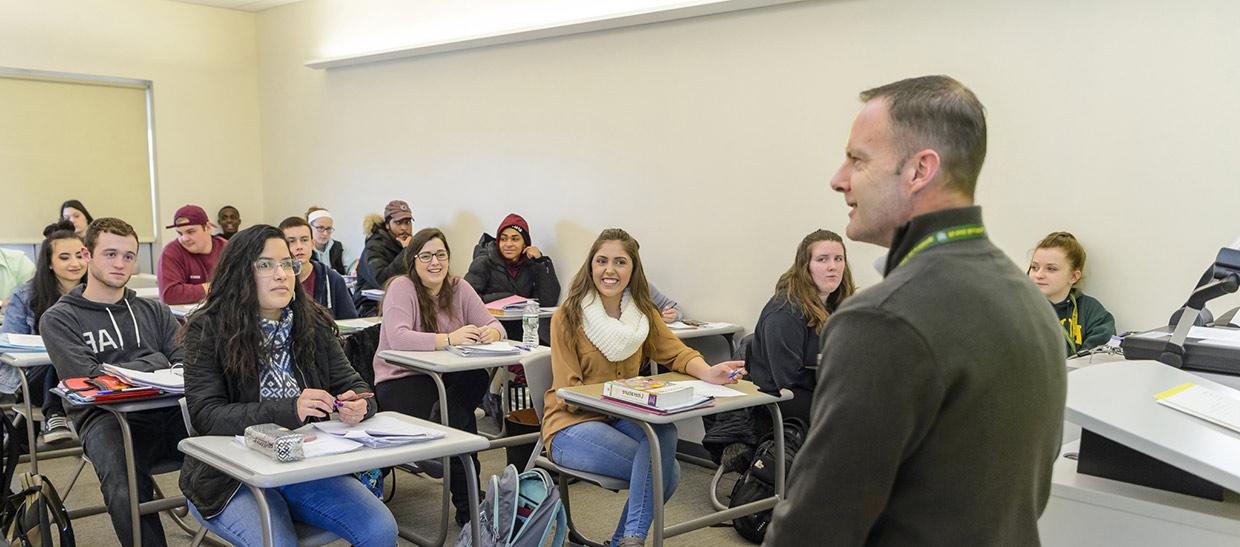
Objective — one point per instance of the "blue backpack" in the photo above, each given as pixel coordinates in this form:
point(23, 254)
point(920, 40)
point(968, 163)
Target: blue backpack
point(519, 511)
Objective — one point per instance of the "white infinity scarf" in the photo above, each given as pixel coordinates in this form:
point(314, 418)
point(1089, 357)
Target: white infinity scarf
point(616, 338)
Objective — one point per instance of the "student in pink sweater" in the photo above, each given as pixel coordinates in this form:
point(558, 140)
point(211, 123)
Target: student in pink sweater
point(428, 309)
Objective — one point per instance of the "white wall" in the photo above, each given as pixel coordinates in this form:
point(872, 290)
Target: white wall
point(712, 140)
point(204, 67)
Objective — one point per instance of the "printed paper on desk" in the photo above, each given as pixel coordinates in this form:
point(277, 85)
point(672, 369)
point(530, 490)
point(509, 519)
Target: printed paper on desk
point(1218, 406)
point(702, 388)
point(27, 341)
point(379, 426)
point(322, 445)
point(680, 325)
point(1216, 335)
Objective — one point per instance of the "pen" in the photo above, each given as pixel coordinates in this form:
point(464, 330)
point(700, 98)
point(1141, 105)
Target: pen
point(735, 372)
point(356, 397)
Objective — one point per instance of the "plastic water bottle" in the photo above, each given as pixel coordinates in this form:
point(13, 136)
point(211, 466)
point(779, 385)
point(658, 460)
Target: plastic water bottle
point(529, 324)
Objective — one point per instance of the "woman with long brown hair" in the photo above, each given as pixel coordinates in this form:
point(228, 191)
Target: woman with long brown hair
point(606, 327)
point(785, 340)
point(429, 309)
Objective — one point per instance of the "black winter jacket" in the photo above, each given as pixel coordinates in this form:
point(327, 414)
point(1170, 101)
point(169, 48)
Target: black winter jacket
point(381, 260)
point(221, 404)
point(488, 275)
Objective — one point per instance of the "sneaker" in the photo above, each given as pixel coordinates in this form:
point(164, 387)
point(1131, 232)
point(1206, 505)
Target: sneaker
point(56, 429)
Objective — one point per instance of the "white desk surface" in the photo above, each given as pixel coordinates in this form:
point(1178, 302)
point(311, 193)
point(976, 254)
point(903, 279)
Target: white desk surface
point(182, 311)
point(543, 313)
point(590, 397)
point(149, 293)
point(24, 360)
point(349, 326)
point(255, 469)
point(443, 361)
point(1116, 400)
point(698, 332)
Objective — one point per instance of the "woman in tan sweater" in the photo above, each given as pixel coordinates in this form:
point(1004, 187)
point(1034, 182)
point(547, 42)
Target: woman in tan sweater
point(603, 331)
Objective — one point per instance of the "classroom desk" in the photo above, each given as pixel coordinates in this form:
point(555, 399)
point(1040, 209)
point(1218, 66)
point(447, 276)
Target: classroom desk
point(1116, 400)
point(726, 330)
point(590, 397)
point(543, 313)
point(437, 363)
point(181, 311)
point(149, 293)
point(121, 411)
point(22, 361)
point(350, 326)
point(257, 471)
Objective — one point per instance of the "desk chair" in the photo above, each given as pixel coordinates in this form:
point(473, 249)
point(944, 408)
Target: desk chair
point(538, 379)
point(307, 536)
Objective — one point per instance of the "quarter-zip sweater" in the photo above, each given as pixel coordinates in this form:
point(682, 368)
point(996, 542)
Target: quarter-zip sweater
point(939, 406)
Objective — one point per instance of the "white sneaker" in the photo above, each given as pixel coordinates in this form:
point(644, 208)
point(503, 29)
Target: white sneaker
point(56, 429)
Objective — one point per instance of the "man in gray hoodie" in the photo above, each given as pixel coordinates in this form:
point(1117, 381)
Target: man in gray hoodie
point(104, 322)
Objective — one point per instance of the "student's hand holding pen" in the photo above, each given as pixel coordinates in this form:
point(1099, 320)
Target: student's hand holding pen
point(727, 372)
point(669, 314)
point(314, 403)
point(352, 406)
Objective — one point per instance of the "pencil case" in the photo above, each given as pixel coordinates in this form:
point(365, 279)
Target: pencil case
point(278, 443)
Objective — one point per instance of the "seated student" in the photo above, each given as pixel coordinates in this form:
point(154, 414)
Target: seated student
point(104, 322)
point(229, 219)
point(785, 340)
point(258, 352)
point(1057, 266)
point(60, 269)
point(15, 269)
point(327, 250)
point(73, 211)
point(426, 310)
point(381, 259)
point(321, 282)
point(510, 264)
point(603, 331)
point(184, 272)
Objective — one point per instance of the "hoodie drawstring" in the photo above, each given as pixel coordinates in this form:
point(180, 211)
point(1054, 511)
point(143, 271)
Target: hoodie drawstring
point(116, 327)
point(137, 333)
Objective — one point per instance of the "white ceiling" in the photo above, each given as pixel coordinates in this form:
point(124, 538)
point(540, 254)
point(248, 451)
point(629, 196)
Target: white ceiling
point(243, 5)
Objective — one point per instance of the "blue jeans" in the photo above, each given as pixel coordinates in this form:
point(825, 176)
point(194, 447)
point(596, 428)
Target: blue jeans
point(341, 505)
point(619, 449)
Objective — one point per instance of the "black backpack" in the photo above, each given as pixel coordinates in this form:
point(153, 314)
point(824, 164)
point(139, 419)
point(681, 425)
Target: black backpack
point(34, 514)
point(360, 348)
point(758, 482)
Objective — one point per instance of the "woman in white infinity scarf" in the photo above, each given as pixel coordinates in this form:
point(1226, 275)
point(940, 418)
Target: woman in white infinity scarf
point(606, 327)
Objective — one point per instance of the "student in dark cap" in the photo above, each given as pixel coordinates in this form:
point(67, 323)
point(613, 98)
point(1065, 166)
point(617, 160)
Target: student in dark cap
point(381, 258)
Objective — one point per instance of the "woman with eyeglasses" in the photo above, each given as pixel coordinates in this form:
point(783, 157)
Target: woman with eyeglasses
point(428, 309)
point(327, 250)
point(260, 351)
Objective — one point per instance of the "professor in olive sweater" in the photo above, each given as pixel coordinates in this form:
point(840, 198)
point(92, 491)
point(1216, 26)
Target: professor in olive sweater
point(939, 406)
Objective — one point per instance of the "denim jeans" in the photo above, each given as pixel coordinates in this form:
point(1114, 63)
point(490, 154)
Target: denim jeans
point(340, 505)
point(619, 449)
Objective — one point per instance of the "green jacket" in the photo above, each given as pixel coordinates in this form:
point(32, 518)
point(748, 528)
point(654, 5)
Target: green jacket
point(1095, 324)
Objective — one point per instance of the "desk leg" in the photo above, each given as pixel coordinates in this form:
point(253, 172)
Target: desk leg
point(656, 480)
point(264, 516)
point(447, 476)
point(777, 417)
point(131, 475)
point(30, 436)
point(471, 479)
point(731, 344)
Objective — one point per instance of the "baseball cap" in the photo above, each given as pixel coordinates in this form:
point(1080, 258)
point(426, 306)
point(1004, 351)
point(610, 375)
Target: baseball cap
point(396, 210)
point(188, 215)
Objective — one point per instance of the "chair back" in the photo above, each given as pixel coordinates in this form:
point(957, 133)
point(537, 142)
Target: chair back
point(538, 380)
point(189, 427)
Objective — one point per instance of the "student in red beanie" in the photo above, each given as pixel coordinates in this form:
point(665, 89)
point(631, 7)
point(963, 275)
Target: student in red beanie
point(509, 264)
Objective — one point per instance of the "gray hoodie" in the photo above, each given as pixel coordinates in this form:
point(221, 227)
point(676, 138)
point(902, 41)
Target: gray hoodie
point(134, 333)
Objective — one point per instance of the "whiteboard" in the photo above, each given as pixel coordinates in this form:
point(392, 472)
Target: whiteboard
point(64, 137)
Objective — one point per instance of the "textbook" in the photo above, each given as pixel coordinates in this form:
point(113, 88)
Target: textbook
point(485, 350)
point(648, 392)
point(513, 305)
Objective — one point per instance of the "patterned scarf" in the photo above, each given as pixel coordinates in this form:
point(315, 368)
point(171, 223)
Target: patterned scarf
point(276, 379)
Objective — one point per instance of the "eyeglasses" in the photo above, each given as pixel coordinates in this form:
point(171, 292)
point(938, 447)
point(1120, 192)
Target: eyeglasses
point(324, 229)
point(426, 257)
point(267, 267)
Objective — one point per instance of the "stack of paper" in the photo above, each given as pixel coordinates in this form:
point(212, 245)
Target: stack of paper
point(1221, 407)
point(350, 326)
point(513, 305)
point(380, 432)
point(171, 380)
point(485, 350)
point(321, 445)
point(21, 343)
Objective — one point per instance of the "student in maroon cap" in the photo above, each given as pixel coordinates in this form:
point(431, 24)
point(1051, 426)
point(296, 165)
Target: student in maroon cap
point(381, 259)
point(184, 271)
point(509, 264)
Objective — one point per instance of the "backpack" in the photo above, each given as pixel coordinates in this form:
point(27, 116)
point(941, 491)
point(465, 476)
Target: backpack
point(359, 348)
point(31, 515)
point(758, 481)
point(519, 511)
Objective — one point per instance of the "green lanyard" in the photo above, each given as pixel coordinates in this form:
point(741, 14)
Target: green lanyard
point(944, 236)
point(1072, 331)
